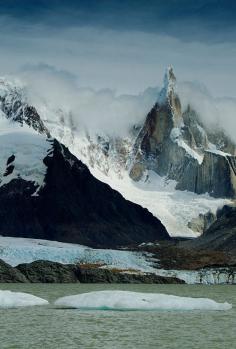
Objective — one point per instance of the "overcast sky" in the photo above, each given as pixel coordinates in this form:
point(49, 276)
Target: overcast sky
point(123, 45)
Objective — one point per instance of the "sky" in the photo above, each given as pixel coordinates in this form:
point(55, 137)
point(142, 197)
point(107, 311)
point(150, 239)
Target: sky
point(122, 45)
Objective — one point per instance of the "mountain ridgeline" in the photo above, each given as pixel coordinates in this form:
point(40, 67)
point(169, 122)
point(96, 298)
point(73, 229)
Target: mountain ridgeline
point(47, 193)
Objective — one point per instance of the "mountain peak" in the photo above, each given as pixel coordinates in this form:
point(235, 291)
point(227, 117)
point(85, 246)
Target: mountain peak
point(169, 77)
point(169, 82)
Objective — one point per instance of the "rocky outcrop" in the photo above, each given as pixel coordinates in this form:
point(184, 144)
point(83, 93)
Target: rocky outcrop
point(52, 272)
point(175, 144)
point(202, 222)
point(221, 235)
point(14, 105)
point(48, 272)
point(92, 275)
point(9, 274)
point(183, 254)
point(73, 206)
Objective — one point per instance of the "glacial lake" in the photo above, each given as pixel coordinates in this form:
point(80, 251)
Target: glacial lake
point(49, 327)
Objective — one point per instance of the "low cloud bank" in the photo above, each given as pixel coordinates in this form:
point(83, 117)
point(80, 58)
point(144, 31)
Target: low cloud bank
point(106, 111)
point(214, 112)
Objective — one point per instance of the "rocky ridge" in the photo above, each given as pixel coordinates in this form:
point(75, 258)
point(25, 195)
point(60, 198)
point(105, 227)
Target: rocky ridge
point(52, 272)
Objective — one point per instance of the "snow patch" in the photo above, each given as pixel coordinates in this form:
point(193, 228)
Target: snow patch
point(213, 149)
point(175, 136)
point(125, 300)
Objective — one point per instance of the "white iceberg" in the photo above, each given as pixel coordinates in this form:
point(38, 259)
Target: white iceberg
point(125, 300)
point(9, 299)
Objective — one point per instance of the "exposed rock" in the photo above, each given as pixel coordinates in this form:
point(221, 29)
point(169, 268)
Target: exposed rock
point(10, 274)
point(202, 222)
point(185, 255)
point(48, 272)
point(92, 275)
point(16, 108)
point(221, 235)
point(53, 272)
point(175, 144)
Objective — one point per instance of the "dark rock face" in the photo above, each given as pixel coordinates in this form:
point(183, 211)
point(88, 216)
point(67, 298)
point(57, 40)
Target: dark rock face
point(221, 235)
point(9, 274)
point(175, 144)
point(52, 272)
point(113, 276)
point(202, 222)
point(48, 272)
point(15, 107)
point(73, 206)
point(186, 255)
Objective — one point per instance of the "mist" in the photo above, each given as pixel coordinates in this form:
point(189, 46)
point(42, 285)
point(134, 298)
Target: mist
point(213, 112)
point(103, 110)
point(106, 111)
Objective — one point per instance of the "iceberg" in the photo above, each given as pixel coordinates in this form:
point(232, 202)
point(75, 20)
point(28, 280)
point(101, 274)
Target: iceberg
point(9, 299)
point(126, 300)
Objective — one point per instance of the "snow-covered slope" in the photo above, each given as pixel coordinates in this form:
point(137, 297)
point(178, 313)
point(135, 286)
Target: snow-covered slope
point(22, 153)
point(176, 209)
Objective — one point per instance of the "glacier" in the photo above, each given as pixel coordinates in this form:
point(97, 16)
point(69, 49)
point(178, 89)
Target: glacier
point(15, 251)
point(126, 300)
point(173, 207)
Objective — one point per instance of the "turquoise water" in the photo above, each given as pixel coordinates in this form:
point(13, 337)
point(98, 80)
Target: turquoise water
point(52, 328)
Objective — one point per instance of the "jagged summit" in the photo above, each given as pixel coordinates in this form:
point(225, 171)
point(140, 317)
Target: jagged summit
point(168, 88)
point(169, 78)
point(176, 144)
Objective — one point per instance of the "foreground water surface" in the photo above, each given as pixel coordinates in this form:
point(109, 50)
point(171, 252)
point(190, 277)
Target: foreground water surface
point(53, 328)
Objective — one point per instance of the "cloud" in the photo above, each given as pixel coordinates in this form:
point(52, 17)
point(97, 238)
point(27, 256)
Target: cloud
point(96, 110)
point(188, 20)
point(126, 59)
point(106, 111)
point(214, 112)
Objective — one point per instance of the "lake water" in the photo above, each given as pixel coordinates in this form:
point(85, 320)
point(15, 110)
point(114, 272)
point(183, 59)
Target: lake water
point(47, 327)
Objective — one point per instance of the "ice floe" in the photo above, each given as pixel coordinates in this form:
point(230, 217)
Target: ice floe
point(9, 299)
point(126, 300)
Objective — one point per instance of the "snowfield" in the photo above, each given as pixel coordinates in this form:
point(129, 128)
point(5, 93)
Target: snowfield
point(125, 300)
point(9, 299)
